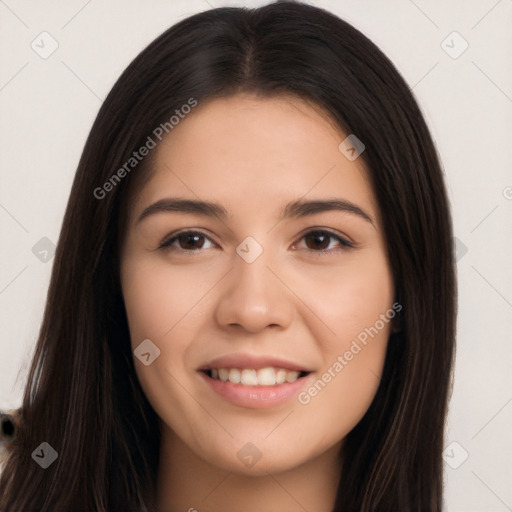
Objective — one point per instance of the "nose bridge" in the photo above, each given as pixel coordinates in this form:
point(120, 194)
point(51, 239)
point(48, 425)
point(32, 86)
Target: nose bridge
point(253, 297)
point(253, 274)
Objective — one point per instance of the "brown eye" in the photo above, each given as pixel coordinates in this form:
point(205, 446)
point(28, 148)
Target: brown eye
point(186, 241)
point(321, 241)
point(190, 241)
point(317, 241)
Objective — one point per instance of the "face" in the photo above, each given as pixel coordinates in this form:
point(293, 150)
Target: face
point(276, 276)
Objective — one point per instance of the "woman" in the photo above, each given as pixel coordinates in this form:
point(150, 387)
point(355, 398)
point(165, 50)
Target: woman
point(252, 305)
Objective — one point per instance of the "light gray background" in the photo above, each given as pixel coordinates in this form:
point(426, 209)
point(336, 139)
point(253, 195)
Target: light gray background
point(48, 105)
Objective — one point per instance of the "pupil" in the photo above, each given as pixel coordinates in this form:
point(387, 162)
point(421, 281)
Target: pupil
point(188, 239)
point(318, 240)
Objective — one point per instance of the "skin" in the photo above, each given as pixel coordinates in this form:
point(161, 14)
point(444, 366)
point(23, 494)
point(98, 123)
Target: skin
point(302, 300)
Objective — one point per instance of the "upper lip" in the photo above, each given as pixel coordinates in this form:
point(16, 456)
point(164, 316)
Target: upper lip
point(249, 361)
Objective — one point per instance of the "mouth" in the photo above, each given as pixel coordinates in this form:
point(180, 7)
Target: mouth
point(267, 376)
point(252, 388)
point(255, 381)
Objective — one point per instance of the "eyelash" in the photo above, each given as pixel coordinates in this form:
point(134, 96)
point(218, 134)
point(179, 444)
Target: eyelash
point(166, 244)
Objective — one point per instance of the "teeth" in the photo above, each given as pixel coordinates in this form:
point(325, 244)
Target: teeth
point(292, 376)
point(249, 378)
point(263, 377)
point(234, 375)
point(281, 376)
point(266, 377)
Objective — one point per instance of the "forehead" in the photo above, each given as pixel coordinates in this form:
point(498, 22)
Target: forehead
point(248, 151)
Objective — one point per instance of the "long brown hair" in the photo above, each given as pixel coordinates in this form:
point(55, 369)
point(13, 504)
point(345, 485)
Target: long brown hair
point(82, 395)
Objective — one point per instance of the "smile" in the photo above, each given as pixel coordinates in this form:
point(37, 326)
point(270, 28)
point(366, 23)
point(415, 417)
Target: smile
point(249, 392)
point(268, 376)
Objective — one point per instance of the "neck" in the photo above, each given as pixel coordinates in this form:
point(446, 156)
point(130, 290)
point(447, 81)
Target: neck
point(188, 483)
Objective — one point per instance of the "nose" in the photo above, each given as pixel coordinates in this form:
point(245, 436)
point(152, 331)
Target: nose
point(253, 297)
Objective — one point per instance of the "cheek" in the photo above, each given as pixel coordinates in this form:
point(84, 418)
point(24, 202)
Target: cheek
point(157, 296)
point(347, 299)
point(355, 304)
point(162, 304)
point(342, 391)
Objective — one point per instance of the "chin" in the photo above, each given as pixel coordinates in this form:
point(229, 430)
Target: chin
point(249, 460)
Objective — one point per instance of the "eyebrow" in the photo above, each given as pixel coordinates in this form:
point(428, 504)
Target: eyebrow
point(294, 209)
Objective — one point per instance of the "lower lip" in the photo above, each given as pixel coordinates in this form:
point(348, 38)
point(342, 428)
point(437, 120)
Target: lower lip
point(256, 397)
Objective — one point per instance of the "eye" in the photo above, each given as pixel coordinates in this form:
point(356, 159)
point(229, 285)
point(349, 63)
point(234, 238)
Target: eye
point(187, 241)
point(321, 240)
